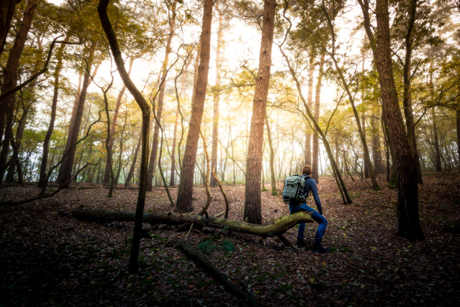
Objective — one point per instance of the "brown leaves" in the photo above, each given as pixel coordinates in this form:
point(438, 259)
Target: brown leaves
point(47, 256)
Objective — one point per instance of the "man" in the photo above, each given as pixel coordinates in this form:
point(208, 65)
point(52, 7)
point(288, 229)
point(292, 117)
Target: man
point(294, 206)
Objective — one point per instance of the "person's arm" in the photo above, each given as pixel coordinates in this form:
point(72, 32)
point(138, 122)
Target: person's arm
point(314, 192)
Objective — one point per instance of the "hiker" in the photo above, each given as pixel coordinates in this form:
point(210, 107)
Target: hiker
point(295, 206)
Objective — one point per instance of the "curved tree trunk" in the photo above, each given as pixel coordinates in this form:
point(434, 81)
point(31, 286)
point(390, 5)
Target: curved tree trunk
point(184, 197)
point(277, 229)
point(108, 164)
point(144, 106)
point(252, 197)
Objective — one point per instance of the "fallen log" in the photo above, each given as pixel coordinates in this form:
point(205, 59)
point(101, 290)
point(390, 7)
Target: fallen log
point(276, 229)
point(200, 260)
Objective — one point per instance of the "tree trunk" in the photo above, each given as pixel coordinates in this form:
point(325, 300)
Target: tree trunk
point(10, 78)
point(340, 183)
point(278, 228)
point(164, 74)
point(407, 99)
point(184, 198)
point(6, 14)
point(408, 216)
point(16, 145)
point(252, 202)
point(311, 70)
point(46, 142)
point(366, 164)
point(376, 152)
point(272, 158)
point(65, 171)
point(315, 174)
point(458, 135)
point(215, 120)
point(133, 164)
point(144, 106)
point(108, 164)
point(436, 142)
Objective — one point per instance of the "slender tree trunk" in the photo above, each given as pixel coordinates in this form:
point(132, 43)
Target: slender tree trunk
point(184, 198)
point(108, 164)
point(376, 153)
point(65, 171)
point(144, 106)
point(458, 135)
point(315, 170)
point(407, 99)
point(16, 145)
point(272, 158)
point(436, 142)
point(164, 74)
point(366, 164)
point(10, 78)
point(215, 120)
point(252, 202)
point(46, 142)
point(133, 164)
point(311, 70)
point(408, 216)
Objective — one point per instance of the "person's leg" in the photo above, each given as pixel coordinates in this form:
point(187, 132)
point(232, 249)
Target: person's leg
point(292, 210)
point(300, 234)
point(322, 221)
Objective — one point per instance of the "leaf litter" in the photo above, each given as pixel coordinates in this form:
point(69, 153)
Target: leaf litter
point(49, 258)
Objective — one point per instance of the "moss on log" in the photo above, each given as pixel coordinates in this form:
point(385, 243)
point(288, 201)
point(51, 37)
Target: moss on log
point(276, 229)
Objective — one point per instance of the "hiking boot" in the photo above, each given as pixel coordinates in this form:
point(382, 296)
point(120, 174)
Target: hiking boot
point(321, 250)
point(300, 243)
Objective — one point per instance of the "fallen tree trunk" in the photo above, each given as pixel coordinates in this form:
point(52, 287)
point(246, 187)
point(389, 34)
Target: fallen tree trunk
point(207, 266)
point(276, 229)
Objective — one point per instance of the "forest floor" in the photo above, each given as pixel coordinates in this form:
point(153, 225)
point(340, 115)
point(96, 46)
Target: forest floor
point(49, 258)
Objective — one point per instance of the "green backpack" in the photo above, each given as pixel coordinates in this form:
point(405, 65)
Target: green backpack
point(293, 189)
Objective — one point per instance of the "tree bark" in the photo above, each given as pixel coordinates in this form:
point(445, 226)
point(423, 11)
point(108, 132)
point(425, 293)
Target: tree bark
point(276, 229)
point(458, 135)
point(311, 70)
point(272, 158)
point(10, 78)
point(408, 216)
point(144, 106)
point(215, 120)
point(315, 174)
point(252, 202)
point(65, 171)
point(46, 142)
point(164, 74)
point(6, 14)
point(407, 99)
point(376, 152)
point(16, 145)
point(184, 198)
point(108, 164)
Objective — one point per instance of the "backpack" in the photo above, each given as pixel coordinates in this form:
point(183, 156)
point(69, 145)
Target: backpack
point(294, 189)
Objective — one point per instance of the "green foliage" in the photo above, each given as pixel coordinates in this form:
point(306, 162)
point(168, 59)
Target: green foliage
point(206, 245)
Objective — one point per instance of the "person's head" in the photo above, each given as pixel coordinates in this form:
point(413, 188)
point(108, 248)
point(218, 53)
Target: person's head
point(306, 169)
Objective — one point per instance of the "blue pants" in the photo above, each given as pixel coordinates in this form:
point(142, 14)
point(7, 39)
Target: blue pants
point(316, 217)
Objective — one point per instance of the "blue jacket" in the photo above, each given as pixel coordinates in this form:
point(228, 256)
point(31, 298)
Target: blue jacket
point(310, 185)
